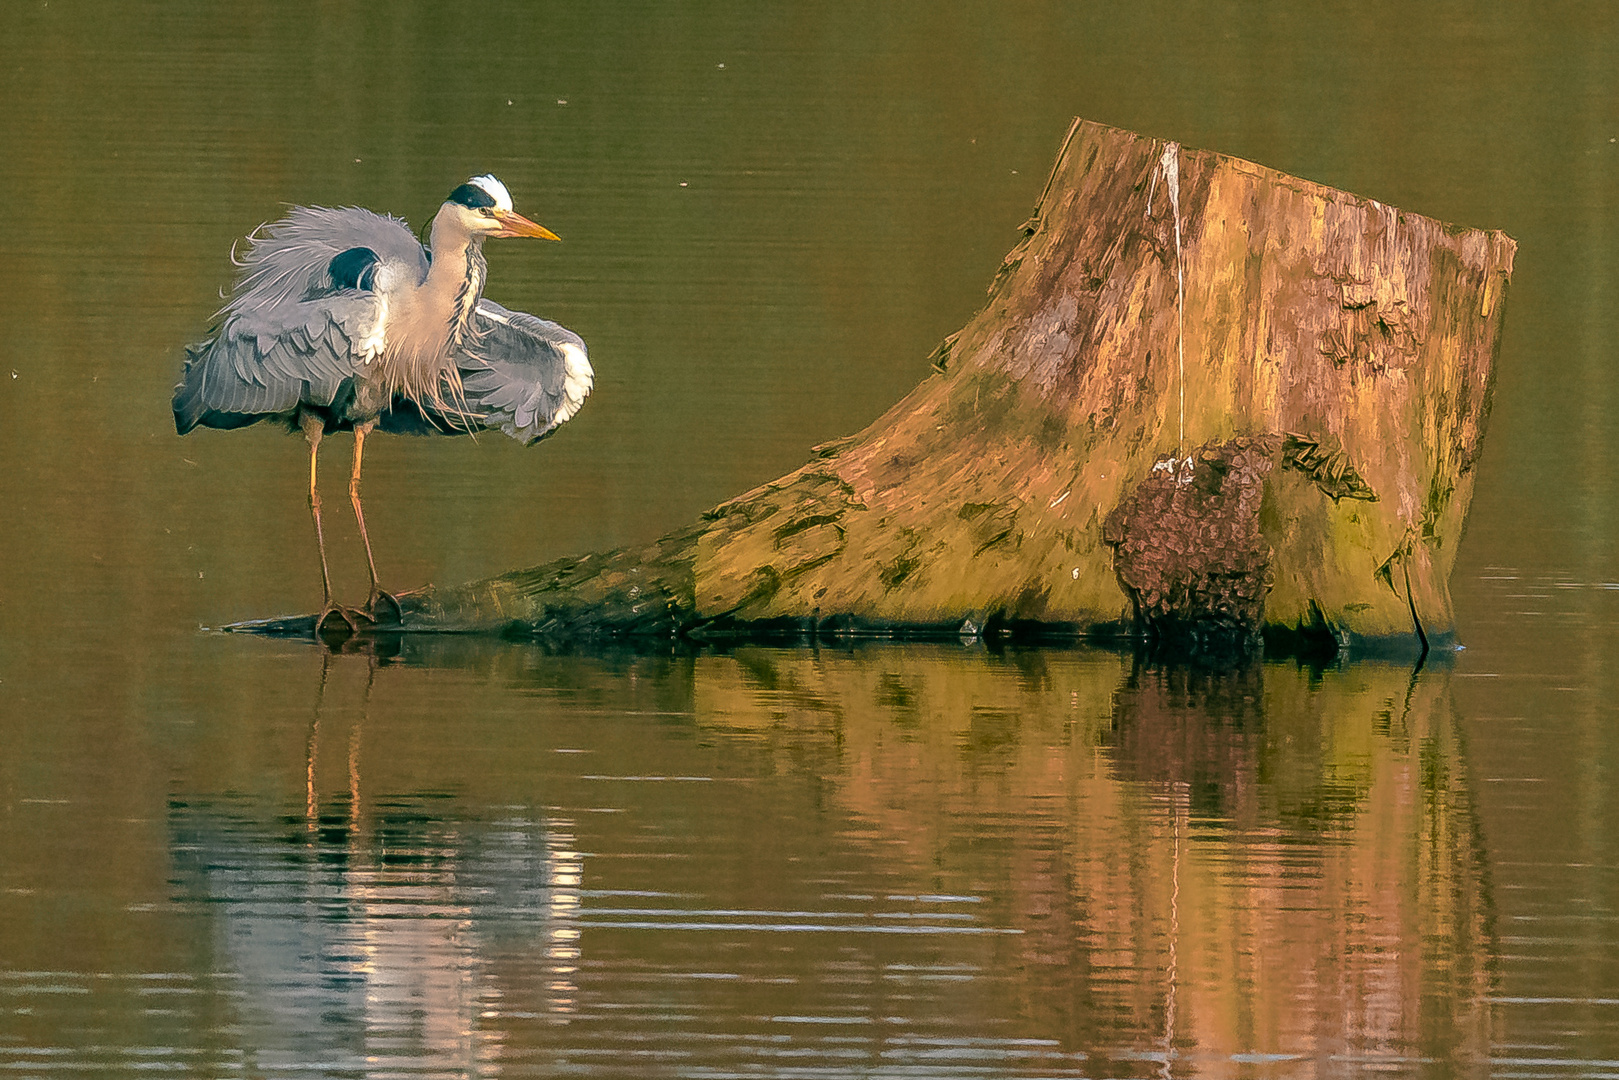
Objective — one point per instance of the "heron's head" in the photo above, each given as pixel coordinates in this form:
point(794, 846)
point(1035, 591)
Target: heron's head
point(483, 207)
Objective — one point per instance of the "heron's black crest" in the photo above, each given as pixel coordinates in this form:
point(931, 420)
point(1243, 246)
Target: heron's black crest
point(471, 196)
point(355, 268)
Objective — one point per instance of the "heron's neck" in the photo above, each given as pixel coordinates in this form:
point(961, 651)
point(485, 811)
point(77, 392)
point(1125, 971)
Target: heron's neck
point(454, 282)
point(430, 326)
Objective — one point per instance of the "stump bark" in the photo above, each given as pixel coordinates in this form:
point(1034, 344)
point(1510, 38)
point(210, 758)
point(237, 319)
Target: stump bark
point(1159, 299)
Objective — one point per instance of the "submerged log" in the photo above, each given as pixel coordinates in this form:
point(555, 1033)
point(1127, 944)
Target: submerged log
point(1159, 300)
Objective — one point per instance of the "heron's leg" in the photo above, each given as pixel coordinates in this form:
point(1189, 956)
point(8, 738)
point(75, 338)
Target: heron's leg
point(360, 431)
point(383, 607)
point(314, 427)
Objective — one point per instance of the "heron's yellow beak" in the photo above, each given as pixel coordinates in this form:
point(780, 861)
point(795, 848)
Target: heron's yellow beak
point(514, 224)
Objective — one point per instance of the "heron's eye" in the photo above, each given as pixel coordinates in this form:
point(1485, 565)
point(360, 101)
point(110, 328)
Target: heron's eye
point(486, 211)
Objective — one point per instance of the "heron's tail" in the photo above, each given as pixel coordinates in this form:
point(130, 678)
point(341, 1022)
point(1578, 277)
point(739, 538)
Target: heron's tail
point(188, 406)
point(191, 408)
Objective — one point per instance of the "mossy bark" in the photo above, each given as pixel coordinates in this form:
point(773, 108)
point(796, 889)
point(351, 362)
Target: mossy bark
point(1357, 338)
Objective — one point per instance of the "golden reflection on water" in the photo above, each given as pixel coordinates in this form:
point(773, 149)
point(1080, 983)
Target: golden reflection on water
point(1262, 861)
point(1063, 861)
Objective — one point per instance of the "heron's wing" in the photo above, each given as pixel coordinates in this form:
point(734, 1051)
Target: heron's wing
point(303, 317)
point(268, 362)
point(291, 259)
point(520, 374)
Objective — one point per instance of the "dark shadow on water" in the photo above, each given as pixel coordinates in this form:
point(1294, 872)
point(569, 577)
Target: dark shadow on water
point(476, 651)
point(1204, 645)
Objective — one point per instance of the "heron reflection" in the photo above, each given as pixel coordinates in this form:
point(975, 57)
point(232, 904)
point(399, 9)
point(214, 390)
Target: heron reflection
point(372, 930)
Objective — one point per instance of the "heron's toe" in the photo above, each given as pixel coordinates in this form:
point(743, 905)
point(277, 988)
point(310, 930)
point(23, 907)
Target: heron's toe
point(385, 609)
point(337, 622)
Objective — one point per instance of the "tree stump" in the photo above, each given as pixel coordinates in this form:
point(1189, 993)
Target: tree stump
point(1160, 299)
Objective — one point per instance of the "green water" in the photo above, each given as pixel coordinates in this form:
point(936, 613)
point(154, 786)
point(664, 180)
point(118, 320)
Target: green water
point(225, 857)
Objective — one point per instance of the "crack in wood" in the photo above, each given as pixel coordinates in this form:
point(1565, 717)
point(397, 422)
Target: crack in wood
point(1330, 470)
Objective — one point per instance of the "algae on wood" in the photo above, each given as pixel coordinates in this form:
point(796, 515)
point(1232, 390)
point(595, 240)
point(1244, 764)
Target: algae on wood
point(1359, 339)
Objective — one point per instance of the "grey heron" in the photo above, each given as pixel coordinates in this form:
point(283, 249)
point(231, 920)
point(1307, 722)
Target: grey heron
point(340, 320)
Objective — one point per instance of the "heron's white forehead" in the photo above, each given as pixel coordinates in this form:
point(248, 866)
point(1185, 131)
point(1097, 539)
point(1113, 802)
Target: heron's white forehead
point(497, 191)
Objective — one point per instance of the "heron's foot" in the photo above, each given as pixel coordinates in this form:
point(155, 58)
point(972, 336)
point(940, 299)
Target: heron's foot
point(385, 609)
point(337, 621)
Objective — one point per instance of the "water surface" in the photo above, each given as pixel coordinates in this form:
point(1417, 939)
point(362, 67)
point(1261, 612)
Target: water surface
point(227, 857)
